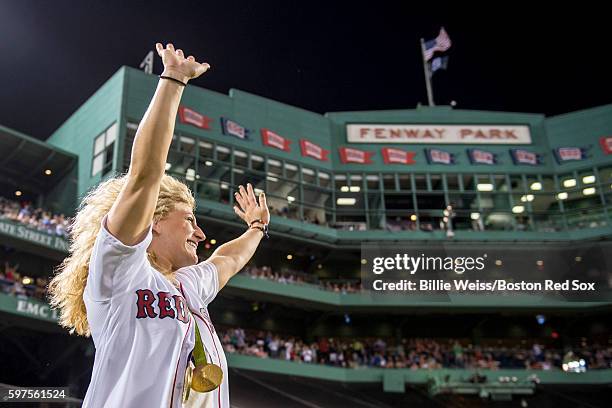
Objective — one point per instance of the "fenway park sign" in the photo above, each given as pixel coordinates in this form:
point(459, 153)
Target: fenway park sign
point(438, 134)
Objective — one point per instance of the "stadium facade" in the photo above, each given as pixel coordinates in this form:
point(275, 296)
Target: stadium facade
point(430, 176)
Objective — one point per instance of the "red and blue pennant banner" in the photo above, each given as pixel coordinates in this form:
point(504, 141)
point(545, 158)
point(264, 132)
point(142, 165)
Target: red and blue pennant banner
point(391, 156)
point(520, 156)
point(231, 128)
point(606, 144)
point(478, 156)
point(437, 156)
point(191, 117)
point(313, 150)
point(565, 154)
point(352, 155)
point(272, 139)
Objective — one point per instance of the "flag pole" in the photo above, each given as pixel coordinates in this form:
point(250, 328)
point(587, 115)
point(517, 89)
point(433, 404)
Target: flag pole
point(427, 75)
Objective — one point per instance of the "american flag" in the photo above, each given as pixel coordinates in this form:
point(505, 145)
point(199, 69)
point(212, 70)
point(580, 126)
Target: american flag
point(441, 43)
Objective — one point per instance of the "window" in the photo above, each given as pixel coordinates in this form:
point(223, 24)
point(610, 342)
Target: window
point(324, 179)
point(241, 159)
point(104, 147)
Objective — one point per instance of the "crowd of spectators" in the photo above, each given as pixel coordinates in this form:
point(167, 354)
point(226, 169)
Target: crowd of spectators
point(408, 353)
point(13, 283)
point(300, 278)
point(37, 218)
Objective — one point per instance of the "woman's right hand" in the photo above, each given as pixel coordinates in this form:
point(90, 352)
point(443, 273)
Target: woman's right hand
point(179, 67)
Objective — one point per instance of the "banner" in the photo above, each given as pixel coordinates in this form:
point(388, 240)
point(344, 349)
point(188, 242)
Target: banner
point(350, 155)
point(313, 150)
point(437, 156)
point(478, 156)
point(231, 128)
point(520, 156)
point(606, 144)
point(437, 134)
point(21, 231)
point(565, 154)
point(272, 139)
point(391, 156)
point(191, 117)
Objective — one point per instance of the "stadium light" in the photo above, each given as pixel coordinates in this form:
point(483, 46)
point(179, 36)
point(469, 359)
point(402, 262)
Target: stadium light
point(344, 189)
point(528, 197)
point(26, 280)
point(588, 179)
point(536, 186)
point(589, 191)
point(48, 172)
point(475, 216)
point(364, 261)
point(354, 189)
point(290, 199)
point(190, 175)
point(213, 241)
point(562, 196)
point(569, 183)
point(346, 201)
point(578, 258)
point(413, 217)
point(208, 163)
point(289, 257)
point(485, 187)
point(517, 209)
point(498, 262)
point(319, 266)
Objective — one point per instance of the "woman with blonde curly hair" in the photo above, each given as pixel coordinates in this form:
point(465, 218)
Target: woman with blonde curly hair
point(132, 280)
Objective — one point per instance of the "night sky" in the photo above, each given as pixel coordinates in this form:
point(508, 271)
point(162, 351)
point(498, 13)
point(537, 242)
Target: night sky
point(321, 56)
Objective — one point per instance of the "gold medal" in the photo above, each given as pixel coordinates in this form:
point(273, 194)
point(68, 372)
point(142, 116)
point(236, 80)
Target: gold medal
point(206, 377)
point(203, 376)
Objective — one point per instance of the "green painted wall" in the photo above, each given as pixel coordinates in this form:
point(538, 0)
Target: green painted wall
point(77, 133)
point(581, 129)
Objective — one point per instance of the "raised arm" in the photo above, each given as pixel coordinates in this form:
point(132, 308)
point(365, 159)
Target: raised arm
point(231, 257)
point(132, 212)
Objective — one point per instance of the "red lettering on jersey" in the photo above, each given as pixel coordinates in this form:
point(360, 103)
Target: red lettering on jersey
point(181, 309)
point(165, 307)
point(145, 303)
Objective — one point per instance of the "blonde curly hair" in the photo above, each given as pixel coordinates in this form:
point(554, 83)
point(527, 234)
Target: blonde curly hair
point(67, 286)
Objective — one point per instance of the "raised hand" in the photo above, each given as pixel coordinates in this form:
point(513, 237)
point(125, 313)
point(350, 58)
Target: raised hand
point(179, 67)
point(248, 208)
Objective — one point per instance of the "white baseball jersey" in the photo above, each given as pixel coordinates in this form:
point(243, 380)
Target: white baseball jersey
point(143, 329)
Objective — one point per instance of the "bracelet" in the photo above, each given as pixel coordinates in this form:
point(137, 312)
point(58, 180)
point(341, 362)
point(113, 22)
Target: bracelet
point(263, 229)
point(173, 79)
point(250, 224)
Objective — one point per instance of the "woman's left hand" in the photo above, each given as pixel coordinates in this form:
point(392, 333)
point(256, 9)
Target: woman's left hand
point(248, 208)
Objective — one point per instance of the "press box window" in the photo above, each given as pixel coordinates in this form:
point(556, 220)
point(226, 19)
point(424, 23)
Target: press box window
point(104, 146)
